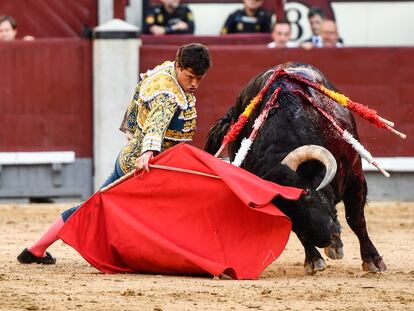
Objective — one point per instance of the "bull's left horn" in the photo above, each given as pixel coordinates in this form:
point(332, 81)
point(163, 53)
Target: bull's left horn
point(313, 152)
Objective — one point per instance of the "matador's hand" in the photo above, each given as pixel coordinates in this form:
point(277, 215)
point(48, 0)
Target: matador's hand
point(142, 162)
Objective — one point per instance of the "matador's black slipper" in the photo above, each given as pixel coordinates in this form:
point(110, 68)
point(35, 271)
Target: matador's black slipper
point(27, 257)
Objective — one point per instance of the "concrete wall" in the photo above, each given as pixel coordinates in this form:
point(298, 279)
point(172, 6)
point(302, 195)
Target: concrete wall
point(399, 187)
point(376, 24)
point(70, 181)
point(115, 71)
point(360, 24)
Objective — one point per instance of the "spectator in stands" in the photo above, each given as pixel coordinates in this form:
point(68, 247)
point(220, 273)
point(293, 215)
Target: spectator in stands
point(329, 34)
point(315, 16)
point(8, 28)
point(251, 19)
point(153, 122)
point(281, 32)
point(170, 17)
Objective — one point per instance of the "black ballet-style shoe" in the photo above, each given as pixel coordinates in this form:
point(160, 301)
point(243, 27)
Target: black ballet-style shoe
point(27, 257)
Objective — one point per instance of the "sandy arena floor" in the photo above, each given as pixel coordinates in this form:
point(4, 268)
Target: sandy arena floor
point(73, 284)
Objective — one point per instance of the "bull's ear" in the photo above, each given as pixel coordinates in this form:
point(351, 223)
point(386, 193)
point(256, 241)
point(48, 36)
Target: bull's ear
point(282, 175)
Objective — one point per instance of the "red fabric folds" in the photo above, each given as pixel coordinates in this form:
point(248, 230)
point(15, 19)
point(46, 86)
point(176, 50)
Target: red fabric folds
point(179, 223)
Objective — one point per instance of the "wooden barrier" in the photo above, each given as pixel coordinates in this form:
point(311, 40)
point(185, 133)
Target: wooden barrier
point(46, 103)
point(230, 39)
point(46, 93)
point(52, 18)
point(46, 96)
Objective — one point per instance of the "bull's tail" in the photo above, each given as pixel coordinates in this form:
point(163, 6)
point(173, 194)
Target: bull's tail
point(218, 131)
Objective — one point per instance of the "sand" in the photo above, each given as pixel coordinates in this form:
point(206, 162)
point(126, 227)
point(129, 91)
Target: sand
point(72, 284)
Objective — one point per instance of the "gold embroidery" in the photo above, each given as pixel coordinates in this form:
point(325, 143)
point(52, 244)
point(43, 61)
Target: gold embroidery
point(163, 80)
point(188, 114)
point(158, 125)
point(176, 136)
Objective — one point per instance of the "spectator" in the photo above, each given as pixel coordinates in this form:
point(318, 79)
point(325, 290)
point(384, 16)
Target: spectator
point(253, 18)
point(281, 32)
point(315, 16)
point(170, 17)
point(8, 28)
point(329, 34)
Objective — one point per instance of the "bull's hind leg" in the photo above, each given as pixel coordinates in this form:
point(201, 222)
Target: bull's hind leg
point(313, 259)
point(354, 200)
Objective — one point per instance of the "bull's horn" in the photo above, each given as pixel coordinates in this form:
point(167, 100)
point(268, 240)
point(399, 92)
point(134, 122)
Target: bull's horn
point(313, 152)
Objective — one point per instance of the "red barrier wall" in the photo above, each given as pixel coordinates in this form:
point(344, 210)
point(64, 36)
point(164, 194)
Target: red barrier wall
point(382, 78)
point(46, 90)
point(51, 18)
point(230, 39)
point(46, 96)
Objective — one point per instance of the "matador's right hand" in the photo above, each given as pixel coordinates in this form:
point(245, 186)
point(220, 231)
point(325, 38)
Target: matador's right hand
point(142, 162)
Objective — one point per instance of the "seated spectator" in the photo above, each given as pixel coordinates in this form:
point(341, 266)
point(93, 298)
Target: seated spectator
point(252, 19)
point(329, 35)
point(315, 17)
point(281, 32)
point(8, 28)
point(170, 17)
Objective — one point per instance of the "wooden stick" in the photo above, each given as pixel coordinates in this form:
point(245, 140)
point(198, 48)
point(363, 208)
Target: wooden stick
point(220, 150)
point(402, 135)
point(384, 172)
point(341, 131)
point(389, 123)
point(162, 167)
point(183, 170)
point(119, 180)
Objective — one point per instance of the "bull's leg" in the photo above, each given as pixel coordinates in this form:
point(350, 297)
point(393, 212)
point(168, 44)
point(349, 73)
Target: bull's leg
point(354, 200)
point(335, 250)
point(313, 259)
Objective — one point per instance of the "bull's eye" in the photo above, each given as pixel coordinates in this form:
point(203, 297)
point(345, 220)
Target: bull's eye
point(306, 194)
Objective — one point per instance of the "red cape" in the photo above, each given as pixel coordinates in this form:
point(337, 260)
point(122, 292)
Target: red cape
point(179, 223)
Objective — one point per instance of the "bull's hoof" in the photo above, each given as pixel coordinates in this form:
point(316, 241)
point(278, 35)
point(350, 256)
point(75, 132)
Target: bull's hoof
point(334, 253)
point(315, 266)
point(374, 267)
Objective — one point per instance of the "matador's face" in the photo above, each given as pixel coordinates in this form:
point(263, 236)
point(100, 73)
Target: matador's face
point(188, 80)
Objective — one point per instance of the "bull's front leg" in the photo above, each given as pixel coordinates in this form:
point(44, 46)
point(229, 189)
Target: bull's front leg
point(313, 259)
point(354, 200)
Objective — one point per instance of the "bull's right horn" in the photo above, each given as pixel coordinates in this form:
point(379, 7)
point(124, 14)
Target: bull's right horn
point(312, 152)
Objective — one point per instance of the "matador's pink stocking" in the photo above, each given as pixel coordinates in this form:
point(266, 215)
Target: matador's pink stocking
point(48, 238)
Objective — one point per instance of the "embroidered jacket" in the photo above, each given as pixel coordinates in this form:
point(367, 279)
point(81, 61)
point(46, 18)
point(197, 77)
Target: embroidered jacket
point(160, 115)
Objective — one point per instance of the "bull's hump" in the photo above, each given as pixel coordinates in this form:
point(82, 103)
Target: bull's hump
point(306, 72)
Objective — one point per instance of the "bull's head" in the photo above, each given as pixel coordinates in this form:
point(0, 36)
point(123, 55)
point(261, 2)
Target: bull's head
point(314, 215)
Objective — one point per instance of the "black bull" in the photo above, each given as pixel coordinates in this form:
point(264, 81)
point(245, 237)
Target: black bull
point(275, 156)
